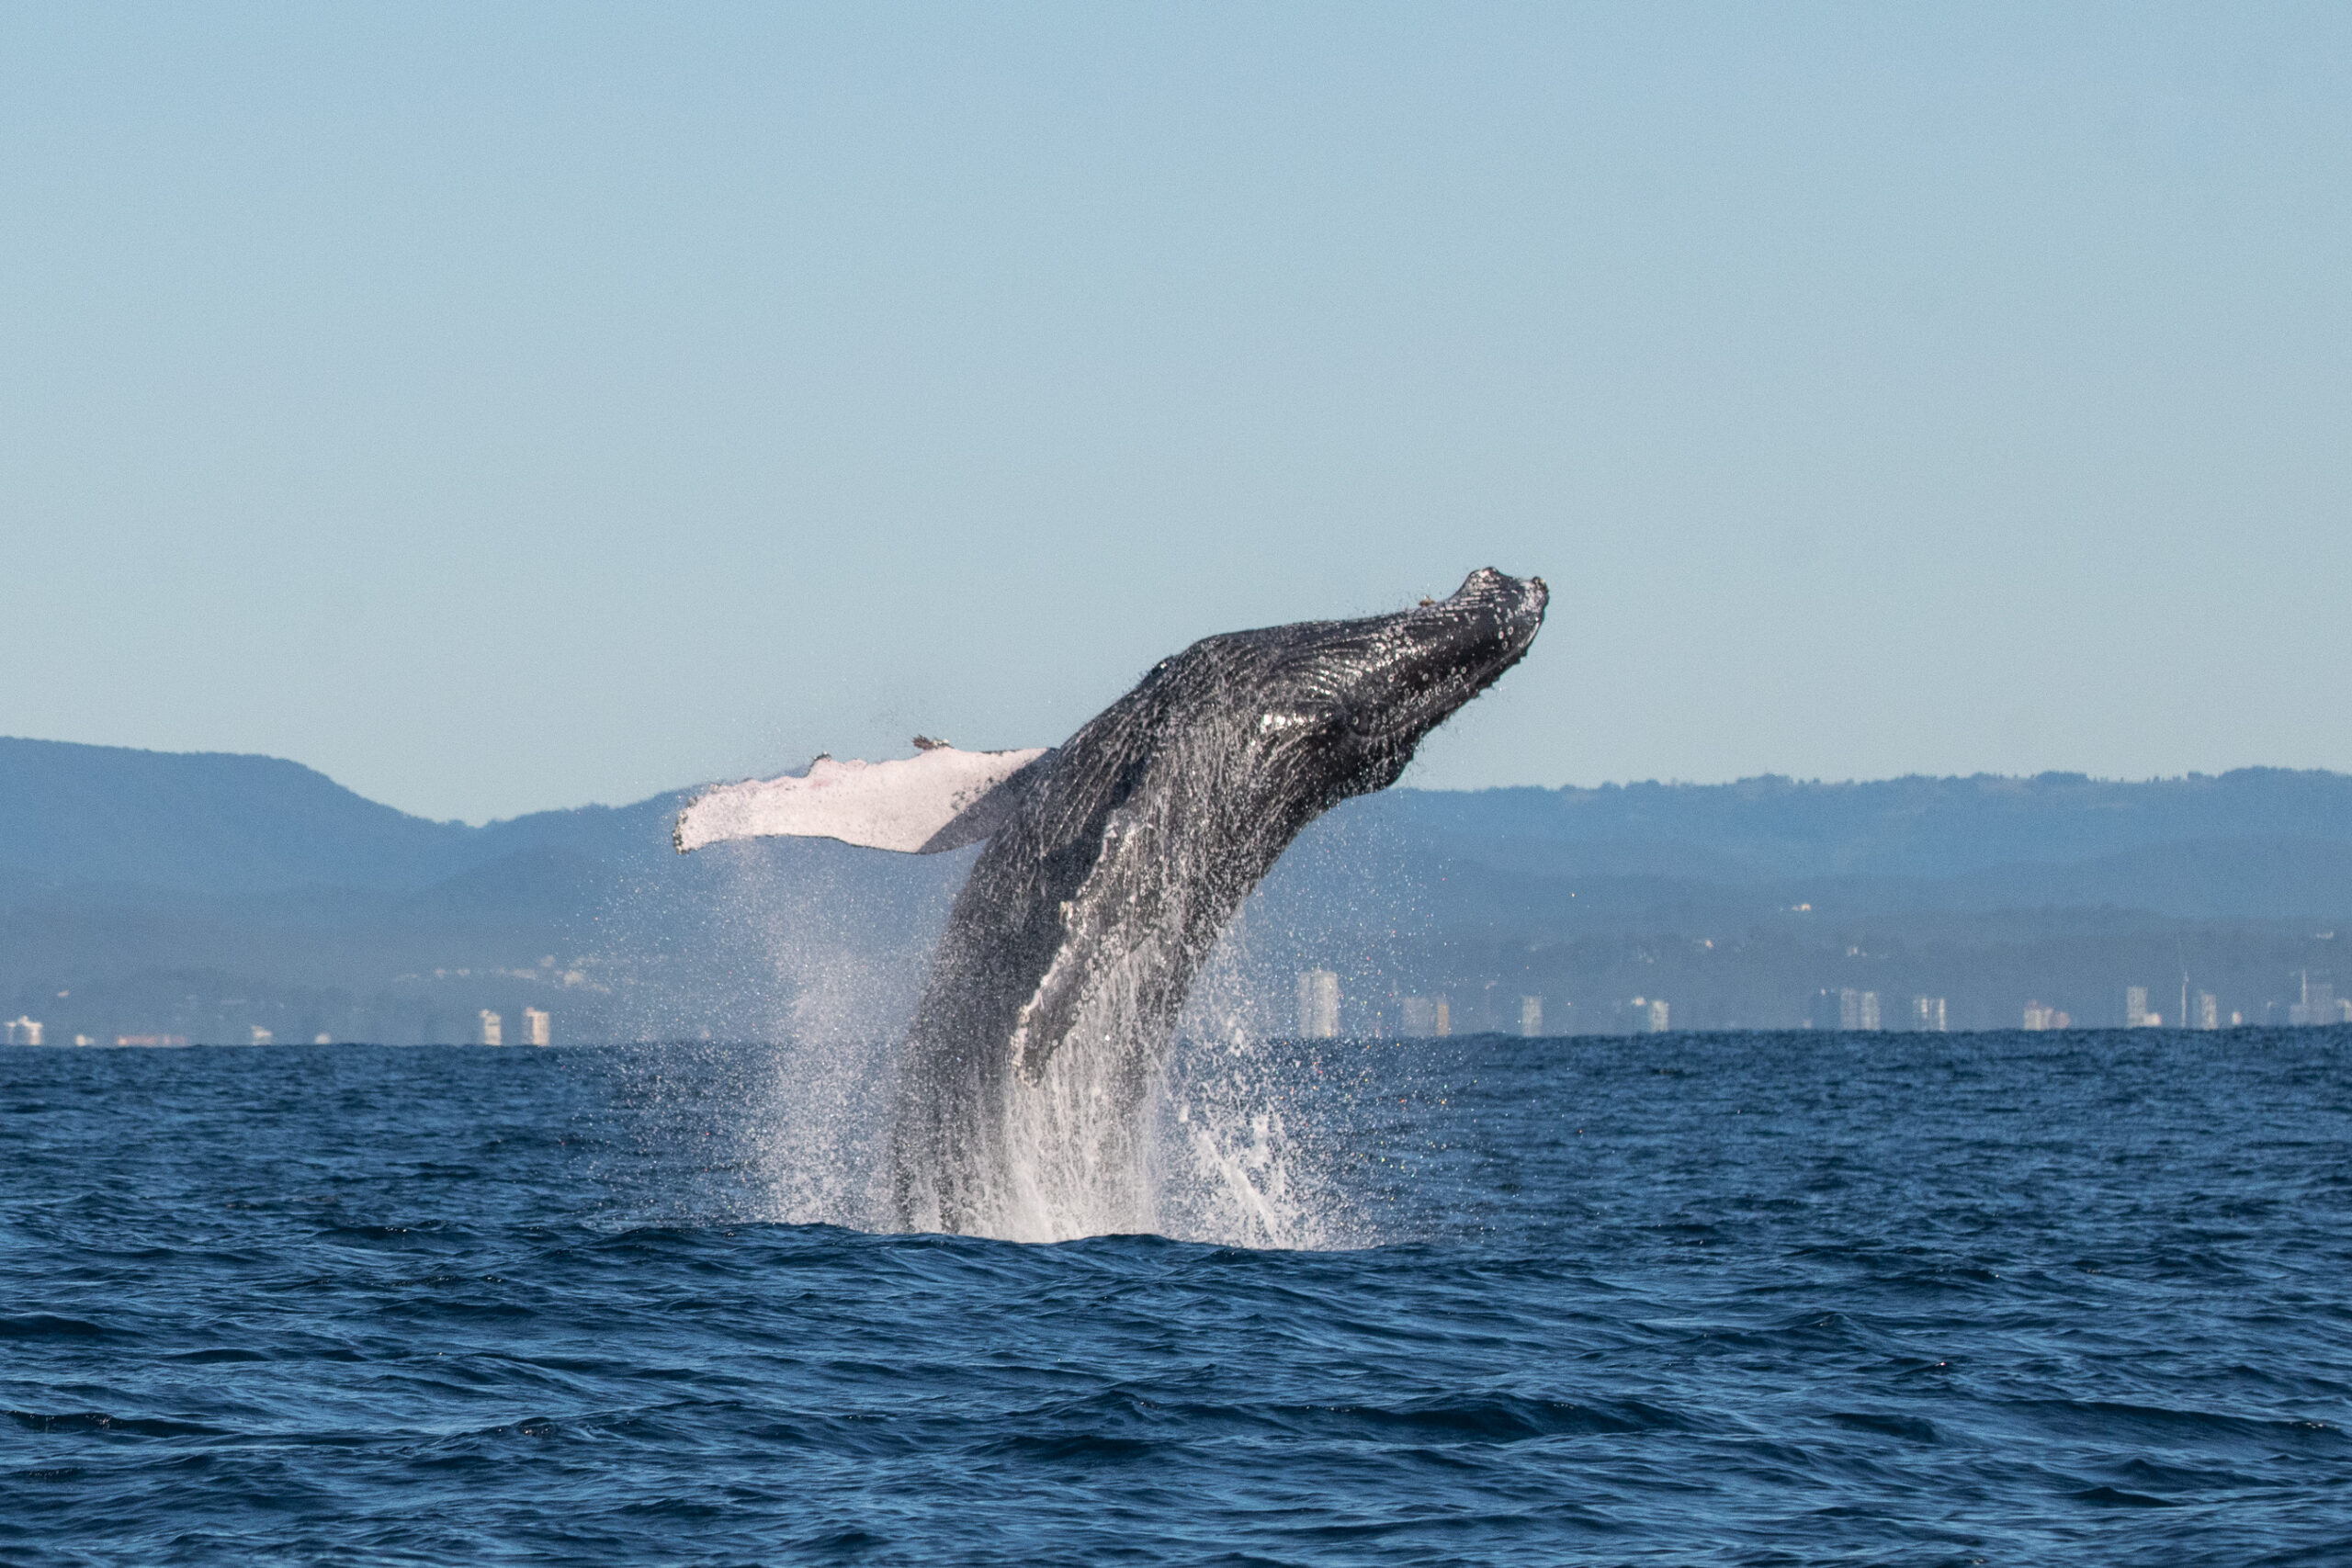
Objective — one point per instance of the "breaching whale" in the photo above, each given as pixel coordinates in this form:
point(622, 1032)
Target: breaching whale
point(1114, 861)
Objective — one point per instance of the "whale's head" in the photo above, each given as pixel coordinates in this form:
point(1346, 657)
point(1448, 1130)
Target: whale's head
point(1335, 708)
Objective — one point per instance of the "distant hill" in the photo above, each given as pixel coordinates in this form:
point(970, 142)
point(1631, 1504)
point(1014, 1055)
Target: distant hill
point(1917, 828)
point(205, 821)
point(160, 879)
point(216, 823)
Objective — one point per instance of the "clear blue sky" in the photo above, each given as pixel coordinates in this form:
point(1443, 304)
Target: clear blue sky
point(502, 407)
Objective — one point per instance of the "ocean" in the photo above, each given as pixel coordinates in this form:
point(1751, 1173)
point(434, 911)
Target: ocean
point(1680, 1299)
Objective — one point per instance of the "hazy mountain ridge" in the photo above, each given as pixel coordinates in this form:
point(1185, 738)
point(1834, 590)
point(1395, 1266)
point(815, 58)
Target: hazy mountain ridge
point(142, 875)
point(1913, 826)
point(220, 823)
point(2245, 878)
point(215, 823)
point(211, 822)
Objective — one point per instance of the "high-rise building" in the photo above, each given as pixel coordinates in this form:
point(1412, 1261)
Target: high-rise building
point(1846, 1008)
point(1651, 1015)
point(2040, 1017)
point(494, 1029)
point(535, 1030)
point(2318, 1005)
point(1531, 1017)
point(1927, 1015)
point(1319, 1005)
point(1426, 1017)
point(24, 1029)
point(2206, 1010)
point(2135, 1008)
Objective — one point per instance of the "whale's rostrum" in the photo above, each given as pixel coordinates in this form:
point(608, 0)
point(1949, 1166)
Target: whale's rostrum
point(1114, 861)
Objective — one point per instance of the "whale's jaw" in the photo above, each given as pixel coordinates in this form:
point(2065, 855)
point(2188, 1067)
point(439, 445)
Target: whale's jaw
point(1076, 941)
point(1390, 680)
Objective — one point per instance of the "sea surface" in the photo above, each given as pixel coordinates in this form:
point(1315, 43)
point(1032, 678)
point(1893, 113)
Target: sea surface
point(2029, 1299)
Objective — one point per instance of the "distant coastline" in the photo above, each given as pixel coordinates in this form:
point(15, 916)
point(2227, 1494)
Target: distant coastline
point(211, 897)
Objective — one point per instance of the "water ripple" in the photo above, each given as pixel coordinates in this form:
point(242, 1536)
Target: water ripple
point(1669, 1300)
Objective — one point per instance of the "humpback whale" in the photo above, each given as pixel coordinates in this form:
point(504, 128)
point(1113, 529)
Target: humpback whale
point(1112, 864)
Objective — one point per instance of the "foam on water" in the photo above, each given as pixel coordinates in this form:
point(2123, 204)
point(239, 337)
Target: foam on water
point(1213, 1153)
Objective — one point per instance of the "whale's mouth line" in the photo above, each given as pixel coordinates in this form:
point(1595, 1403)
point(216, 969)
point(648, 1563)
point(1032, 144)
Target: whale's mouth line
point(1517, 616)
point(1518, 609)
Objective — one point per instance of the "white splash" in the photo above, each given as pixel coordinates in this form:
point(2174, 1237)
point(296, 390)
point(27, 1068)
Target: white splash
point(1214, 1155)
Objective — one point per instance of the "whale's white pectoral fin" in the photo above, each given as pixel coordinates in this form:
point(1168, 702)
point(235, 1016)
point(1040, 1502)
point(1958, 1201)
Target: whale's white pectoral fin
point(938, 799)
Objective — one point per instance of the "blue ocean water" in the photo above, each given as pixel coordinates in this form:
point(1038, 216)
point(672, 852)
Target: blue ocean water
point(1678, 1299)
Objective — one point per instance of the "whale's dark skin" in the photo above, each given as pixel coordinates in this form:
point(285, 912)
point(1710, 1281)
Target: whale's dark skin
point(1116, 860)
